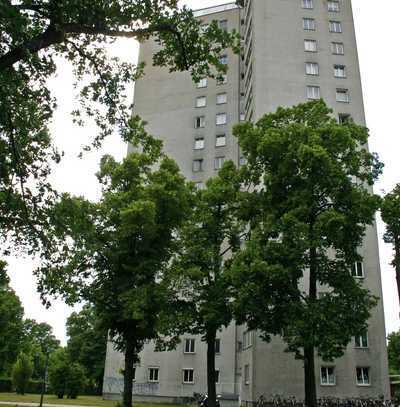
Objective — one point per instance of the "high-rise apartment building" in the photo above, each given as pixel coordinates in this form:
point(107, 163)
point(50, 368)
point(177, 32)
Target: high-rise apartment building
point(292, 51)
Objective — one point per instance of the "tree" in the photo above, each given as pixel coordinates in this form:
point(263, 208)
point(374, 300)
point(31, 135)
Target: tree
point(199, 272)
point(111, 253)
point(390, 211)
point(87, 342)
point(312, 178)
point(11, 323)
point(58, 372)
point(22, 373)
point(394, 352)
point(76, 380)
point(33, 38)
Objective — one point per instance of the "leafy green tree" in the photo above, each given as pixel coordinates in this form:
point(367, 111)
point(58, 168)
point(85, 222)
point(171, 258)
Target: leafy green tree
point(87, 341)
point(111, 253)
point(199, 272)
point(58, 372)
point(312, 178)
point(22, 373)
point(11, 323)
point(76, 380)
point(394, 352)
point(34, 38)
point(390, 211)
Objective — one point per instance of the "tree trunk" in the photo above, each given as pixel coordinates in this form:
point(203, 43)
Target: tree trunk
point(128, 372)
point(211, 387)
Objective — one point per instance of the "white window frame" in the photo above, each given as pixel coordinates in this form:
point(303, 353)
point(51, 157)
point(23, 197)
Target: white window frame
point(201, 101)
point(219, 162)
point(153, 369)
point(339, 71)
point(220, 140)
point(201, 121)
point(247, 339)
point(312, 93)
point(190, 346)
point(199, 143)
point(201, 162)
point(221, 119)
point(342, 92)
point(202, 83)
point(335, 27)
point(223, 25)
point(312, 68)
point(364, 376)
point(246, 376)
point(313, 48)
point(222, 98)
point(199, 185)
point(328, 376)
point(362, 341)
point(333, 6)
point(309, 24)
point(356, 266)
point(186, 380)
point(337, 48)
point(307, 4)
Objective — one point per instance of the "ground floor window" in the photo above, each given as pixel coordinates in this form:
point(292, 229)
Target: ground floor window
point(154, 374)
point(363, 376)
point(328, 376)
point(188, 376)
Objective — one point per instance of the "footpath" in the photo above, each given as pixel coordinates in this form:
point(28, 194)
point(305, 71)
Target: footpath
point(22, 404)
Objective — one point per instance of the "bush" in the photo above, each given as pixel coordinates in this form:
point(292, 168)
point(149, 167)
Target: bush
point(21, 373)
point(75, 381)
point(34, 387)
point(5, 385)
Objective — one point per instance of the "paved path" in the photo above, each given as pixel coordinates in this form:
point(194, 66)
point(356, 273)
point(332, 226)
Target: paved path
point(23, 404)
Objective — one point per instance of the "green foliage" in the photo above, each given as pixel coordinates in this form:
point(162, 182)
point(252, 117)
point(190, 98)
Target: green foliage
point(313, 201)
point(21, 373)
point(394, 352)
point(87, 341)
point(76, 380)
point(5, 385)
point(11, 323)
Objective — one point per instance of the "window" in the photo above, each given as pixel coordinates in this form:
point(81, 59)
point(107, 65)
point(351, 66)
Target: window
point(335, 26)
point(218, 162)
point(197, 165)
point(344, 118)
point(312, 68)
point(201, 101)
point(357, 269)
point(307, 4)
point(337, 48)
point(363, 377)
point(242, 161)
point(202, 83)
point(199, 122)
point(342, 95)
point(153, 374)
point(246, 374)
point(362, 340)
point(188, 376)
point(216, 376)
point(340, 71)
point(199, 143)
point(218, 346)
point(247, 339)
point(222, 79)
point(333, 5)
point(189, 343)
point(221, 119)
point(204, 28)
point(223, 59)
point(199, 185)
point(134, 374)
point(313, 92)
point(242, 117)
point(220, 140)
point(309, 24)
point(221, 98)
point(223, 25)
point(328, 376)
point(310, 45)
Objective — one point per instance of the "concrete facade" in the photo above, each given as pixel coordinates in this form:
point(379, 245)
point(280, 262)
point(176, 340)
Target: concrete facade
point(270, 72)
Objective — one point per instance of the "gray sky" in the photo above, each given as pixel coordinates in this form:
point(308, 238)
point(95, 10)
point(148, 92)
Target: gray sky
point(378, 37)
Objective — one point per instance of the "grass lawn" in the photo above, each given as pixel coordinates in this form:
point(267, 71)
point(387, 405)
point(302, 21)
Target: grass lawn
point(81, 400)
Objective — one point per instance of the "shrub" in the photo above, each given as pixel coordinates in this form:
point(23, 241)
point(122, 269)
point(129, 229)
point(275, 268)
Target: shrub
point(21, 373)
point(75, 381)
point(5, 385)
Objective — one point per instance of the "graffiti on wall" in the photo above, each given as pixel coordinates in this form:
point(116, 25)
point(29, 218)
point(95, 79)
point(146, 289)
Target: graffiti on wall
point(115, 385)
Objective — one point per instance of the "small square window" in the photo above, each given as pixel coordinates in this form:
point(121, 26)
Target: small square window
point(154, 374)
point(197, 165)
point(223, 25)
point(333, 5)
point(221, 119)
point(218, 346)
point(310, 45)
point(222, 79)
point(363, 376)
point(222, 98)
point(342, 95)
point(335, 26)
point(357, 270)
point(202, 83)
point(220, 140)
point(312, 68)
point(309, 24)
point(199, 122)
point(313, 92)
point(218, 162)
point(328, 376)
point(190, 343)
point(307, 4)
point(337, 48)
point(188, 376)
point(339, 71)
point(201, 101)
point(362, 340)
point(199, 143)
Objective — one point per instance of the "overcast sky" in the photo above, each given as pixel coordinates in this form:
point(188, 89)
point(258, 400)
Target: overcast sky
point(378, 37)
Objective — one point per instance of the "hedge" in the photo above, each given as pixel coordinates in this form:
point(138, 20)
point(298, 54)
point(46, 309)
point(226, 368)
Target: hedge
point(6, 386)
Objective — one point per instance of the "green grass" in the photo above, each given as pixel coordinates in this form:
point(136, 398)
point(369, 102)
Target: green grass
point(95, 401)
